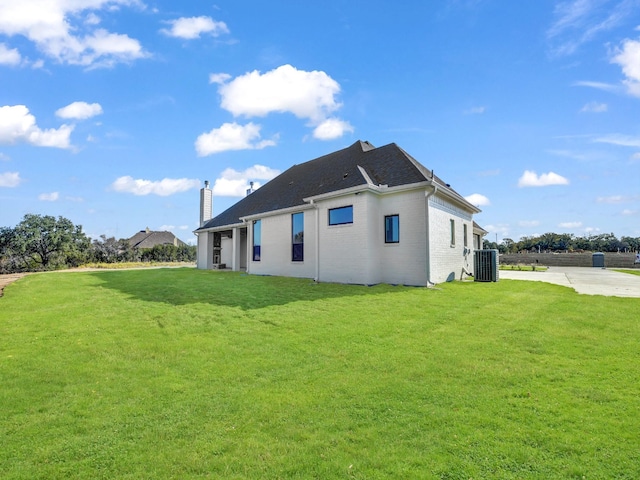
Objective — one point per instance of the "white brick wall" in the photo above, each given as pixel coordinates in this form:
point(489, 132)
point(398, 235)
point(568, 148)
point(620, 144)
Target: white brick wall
point(447, 260)
point(205, 250)
point(357, 252)
point(275, 249)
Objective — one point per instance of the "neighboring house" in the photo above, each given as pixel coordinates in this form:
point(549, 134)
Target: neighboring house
point(149, 239)
point(361, 215)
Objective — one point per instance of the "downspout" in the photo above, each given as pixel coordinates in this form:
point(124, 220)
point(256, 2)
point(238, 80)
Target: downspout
point(315, 206)
point(249, 245)
point(428, 232)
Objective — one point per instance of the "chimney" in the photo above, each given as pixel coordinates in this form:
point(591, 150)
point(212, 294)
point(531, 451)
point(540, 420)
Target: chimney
point(206, 203)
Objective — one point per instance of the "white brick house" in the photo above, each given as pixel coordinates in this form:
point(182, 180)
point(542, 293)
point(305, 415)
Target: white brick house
point(360, 215)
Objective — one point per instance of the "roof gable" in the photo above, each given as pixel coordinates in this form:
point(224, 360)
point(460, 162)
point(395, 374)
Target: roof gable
point(149, 239)
point(388, 165)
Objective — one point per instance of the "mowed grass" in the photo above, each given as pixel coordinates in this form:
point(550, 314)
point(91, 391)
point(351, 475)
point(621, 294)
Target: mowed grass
point(632, 272)
point(183, 373)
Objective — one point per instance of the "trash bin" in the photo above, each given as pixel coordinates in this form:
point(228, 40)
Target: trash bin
point(598, 259)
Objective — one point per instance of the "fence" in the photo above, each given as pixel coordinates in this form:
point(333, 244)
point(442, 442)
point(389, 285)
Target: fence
point(611, 260)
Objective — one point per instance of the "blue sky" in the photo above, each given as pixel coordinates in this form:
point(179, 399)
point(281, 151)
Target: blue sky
point(114, 112)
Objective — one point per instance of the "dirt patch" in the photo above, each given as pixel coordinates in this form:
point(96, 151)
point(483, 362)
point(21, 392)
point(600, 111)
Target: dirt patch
point(9, 278)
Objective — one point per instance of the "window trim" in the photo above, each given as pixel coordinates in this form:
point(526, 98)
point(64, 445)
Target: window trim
point(339, 208)
point(256, 253)
point(452, 224)
point(293, 238)
point(387, 231)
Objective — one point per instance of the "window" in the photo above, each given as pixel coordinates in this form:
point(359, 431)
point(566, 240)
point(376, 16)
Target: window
point(466, 243)
point(257, 239)
point(340, 216)
point(392, 229)
point(453, 232)
point(297, 237)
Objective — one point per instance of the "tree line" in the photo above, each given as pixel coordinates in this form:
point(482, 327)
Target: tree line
point(48, 243)
point(567, 242)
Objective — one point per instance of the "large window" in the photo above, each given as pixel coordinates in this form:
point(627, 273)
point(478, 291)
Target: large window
point(340, 216)
point(257, 239)
point(466, 242)
point(297, 237)
point(392, 229)
point(453, 232)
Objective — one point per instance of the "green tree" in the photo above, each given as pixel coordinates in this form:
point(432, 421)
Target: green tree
point(110, 250)
point(44, 242)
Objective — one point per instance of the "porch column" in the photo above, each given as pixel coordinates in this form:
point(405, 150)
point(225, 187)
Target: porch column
point(235, 250)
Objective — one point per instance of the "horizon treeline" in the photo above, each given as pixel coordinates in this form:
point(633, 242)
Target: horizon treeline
point(48, 243)
point(566, 242)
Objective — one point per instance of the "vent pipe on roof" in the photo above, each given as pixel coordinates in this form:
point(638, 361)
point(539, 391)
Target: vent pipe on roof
point(250, 189)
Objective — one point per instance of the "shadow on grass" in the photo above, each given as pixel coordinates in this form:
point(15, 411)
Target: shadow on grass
point(183, 286)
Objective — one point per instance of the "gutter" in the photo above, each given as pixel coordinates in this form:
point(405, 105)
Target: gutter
point(317, 210)
point(428, 232)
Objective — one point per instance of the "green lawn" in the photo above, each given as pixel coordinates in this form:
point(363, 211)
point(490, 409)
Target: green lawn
point(632, 272)
point(184, 373)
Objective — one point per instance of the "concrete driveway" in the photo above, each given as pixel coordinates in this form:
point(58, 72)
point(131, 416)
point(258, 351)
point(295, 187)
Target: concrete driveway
point(586, 280)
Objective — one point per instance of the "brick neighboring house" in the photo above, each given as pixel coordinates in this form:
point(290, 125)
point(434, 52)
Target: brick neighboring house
point(361, 215)
point(149, 239)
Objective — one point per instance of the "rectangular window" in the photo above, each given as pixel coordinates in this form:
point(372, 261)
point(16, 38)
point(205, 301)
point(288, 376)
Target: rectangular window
point(453, 232)
point(297, 237)
point(466, 243)
point(340, 216)
point(257, 239)
point(392, 229)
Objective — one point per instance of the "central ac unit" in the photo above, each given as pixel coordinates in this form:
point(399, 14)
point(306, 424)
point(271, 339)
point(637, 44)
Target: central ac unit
point(486, 266)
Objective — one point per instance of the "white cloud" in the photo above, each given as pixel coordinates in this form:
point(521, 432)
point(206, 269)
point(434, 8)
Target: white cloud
point(531, 179)
point(219, 78)
point(80, 110)
point(10, 179)
point(332, 128)
point(92, 19)
point(620, 140)
point(309, 95)
point(570, 225)
point(628, 57)
point(49, 197)
point(18, 125)
point(628, 213)
point(475, 111)
point(233, 183)
point(501, 228)
point(594, 107)
point(9, 56)
point(634, 158)
point(4, 158)
point(478, 200)
point(163, 188)
point(58, 30)
point(607, 87)
point(580, 21)
point(529, 223)
point(591, 230)
point(231, 136)
point(614, 199)
point(192, 27)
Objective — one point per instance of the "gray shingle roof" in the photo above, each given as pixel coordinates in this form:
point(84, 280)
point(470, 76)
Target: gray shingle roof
point(387, 165)
point(149, 239)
